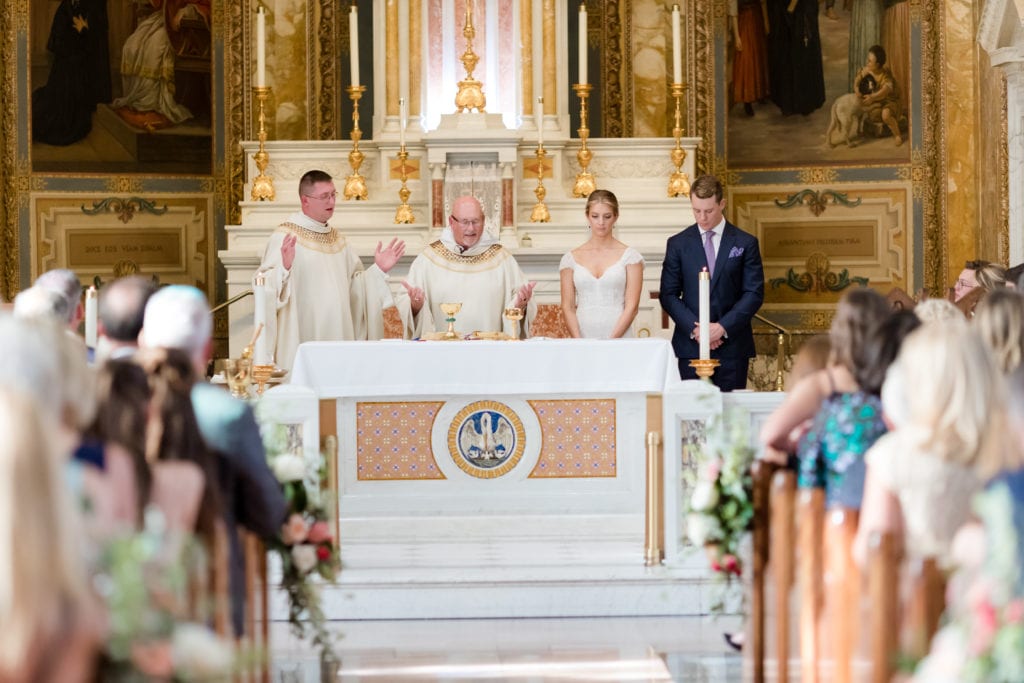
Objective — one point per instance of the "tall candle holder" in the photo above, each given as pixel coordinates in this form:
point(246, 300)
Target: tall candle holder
point(262, 184)
point(403, 214)
point(585, 183)
point(355, 184)
point(705, 367)
point(678, 182)
point(471, 91)
point(540, 213)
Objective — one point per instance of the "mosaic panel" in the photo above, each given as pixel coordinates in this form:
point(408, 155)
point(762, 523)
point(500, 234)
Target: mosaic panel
point(577, 438)
point(393, 440)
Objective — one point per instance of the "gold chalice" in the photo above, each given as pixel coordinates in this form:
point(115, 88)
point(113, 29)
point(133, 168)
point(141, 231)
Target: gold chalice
point(262, 374)
point(238, 373)
point(514, 315)
point(450, 310)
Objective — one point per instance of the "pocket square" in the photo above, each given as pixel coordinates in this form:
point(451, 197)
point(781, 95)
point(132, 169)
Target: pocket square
point(735, 251)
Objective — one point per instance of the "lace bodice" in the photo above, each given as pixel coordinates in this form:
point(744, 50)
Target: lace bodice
point(600, 300)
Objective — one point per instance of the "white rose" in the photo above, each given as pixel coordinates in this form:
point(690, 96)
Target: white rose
point(198, 654)
point(701, 529)
point(289, 468)
point(705, 497)
point(304, 557)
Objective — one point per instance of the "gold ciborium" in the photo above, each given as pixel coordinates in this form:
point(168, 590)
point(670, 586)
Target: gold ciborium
point(238, 373)
point(450, 310)
point(262, 374)
point(514, 315)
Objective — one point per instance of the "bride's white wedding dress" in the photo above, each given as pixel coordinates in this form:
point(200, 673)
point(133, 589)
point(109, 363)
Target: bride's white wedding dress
point(600, 300)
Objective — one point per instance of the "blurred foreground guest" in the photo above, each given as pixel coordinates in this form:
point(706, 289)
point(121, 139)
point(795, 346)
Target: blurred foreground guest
point(812, 356)
point(938, 311)
point(52, 627)
point(999, 318)
point(121, 308)
point(991, 277)
point(858, 313)
point(178, 317)
point(65, 283)
point(948, 438)
point(36, 302)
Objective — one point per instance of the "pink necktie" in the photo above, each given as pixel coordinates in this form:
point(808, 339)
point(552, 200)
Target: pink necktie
point(709, 252)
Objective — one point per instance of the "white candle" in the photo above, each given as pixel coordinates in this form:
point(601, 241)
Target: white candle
point(353, 40)
point(90, 317)
point(704, 292)
point(537, 43)
point(403, 49)
point(261, 48)
point(677, 47)
point(402, 120)
point(583, 44)
point(538, 112)
point(259, 317)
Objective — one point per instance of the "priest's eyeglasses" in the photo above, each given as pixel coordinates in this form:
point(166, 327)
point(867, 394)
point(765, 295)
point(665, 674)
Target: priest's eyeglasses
point(469, 222)
point(323, 197)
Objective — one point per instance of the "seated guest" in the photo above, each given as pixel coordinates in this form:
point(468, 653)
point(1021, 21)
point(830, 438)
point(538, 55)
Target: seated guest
point(52, 625)
point(178, 317)
point(968, 279)
point(468, 266)
point(990, 277)
point(999, 318)
point(37, 302)
point(938, 311)
point(858, 313)
point(948, 438)
point(812, 356)
point(831, 454)
point(121, 306)
point(65, 283)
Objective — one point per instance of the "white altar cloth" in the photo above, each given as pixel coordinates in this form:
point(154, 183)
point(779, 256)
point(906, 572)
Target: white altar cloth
point(533, 366)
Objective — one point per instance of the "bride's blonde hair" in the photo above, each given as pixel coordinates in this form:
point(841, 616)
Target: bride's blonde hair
point(602, 197)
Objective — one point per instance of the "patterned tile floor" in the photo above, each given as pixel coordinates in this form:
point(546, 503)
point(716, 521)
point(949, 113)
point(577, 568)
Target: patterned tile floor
point(526, 650)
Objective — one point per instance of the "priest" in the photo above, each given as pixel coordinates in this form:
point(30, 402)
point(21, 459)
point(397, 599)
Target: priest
point(467, 266)
point(317, 287)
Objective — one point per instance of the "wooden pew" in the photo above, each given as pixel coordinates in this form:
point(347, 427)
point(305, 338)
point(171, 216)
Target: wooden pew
point(842, 588)
point(783, 505)
point(761, 475)
point(810, 536)
point(256, 640)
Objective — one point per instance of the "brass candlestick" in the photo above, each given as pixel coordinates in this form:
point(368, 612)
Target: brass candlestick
point(678, 182)
point(471, 91)
point(403, 214)
point(585, 183)
point(355, 184)
point(262, 184)
point(540, 213)
point(705, 367)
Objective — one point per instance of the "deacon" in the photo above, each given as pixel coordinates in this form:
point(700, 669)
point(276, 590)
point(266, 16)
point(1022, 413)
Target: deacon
point(467, 266)
point(317, 287)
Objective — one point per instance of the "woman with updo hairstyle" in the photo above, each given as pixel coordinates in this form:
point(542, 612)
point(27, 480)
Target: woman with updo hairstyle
point(602, 278)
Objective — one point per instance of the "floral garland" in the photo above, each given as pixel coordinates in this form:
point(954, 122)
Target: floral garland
point(143, 578)
point(720, 510)
point(306, 545)
point(983, 641)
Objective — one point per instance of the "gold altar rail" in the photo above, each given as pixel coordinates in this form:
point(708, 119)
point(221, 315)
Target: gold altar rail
point(780, 359)
point(654, 528)
point(236, 297)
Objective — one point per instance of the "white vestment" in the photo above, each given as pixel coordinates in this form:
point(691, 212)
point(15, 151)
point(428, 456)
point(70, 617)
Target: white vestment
point(326, 296)
point(484, 279)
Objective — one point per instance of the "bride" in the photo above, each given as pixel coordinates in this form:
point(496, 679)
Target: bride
point(601, 278)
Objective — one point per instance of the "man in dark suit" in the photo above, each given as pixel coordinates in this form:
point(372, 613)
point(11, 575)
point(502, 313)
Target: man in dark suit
point(737, 287)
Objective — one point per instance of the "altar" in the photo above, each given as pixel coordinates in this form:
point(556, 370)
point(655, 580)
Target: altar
point(502, 479)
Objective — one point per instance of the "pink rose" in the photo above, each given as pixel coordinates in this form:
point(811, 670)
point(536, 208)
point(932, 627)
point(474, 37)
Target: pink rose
point(1014, 612)
point(714, 469)
point(320, 532)
point(984, 630)
point(294, 530)
point(731, 564)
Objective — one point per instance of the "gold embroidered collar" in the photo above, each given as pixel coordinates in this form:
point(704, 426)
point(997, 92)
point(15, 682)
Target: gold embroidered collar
point(450, 255)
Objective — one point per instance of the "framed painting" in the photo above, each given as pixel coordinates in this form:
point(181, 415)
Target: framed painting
point(121, 87)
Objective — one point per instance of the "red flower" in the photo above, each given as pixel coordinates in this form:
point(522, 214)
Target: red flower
point(732, 564)
point(323, 553)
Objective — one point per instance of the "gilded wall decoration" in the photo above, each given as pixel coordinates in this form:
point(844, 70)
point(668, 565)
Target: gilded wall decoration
point(56, 148)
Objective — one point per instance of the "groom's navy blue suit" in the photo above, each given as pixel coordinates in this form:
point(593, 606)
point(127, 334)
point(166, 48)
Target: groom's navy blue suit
point(737, 291)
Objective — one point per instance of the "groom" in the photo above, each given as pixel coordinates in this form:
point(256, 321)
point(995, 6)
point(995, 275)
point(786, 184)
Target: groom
point(733, 259)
